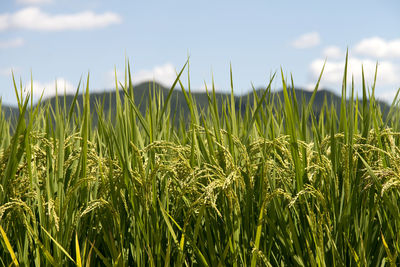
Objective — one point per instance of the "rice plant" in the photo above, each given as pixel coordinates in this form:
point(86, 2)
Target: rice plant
point(274, 185)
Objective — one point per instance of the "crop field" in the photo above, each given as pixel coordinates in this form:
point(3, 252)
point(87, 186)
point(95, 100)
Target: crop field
point(272, 185)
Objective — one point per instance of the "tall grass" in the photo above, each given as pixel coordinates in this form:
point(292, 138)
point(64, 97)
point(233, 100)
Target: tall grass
point(275, 185)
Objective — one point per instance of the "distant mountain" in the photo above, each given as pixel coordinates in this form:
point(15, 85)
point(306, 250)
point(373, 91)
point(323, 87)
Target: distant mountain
point(178, 102)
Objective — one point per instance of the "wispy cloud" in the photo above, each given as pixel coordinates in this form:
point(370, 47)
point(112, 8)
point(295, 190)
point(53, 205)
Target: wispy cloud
point(11, 43)
point(33, 2)
point(307, 40)
point(33, 18)
point(378, 47)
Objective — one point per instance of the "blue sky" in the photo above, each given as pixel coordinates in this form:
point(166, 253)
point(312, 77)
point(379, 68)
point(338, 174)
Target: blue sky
point(65, 39)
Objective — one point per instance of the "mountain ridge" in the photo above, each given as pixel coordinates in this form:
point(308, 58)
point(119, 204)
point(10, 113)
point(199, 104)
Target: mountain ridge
point(178, 102)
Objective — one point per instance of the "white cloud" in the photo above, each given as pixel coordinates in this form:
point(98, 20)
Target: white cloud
point(33, 2)
point(49, 88)
point(110, 78)
point(309, 86)
point(388, 72)
point(307, 40)
point(333, 52)
point(202, 87)
point(388, 96)
point(4, 23)
point(32, 18)
point(162, 74)
point(378, 48)
point(11, 43)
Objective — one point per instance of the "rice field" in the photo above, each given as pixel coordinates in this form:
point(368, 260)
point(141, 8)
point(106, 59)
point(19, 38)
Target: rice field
point(275, 185)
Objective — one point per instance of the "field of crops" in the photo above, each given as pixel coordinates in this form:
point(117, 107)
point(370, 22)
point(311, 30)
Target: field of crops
point(274, 185)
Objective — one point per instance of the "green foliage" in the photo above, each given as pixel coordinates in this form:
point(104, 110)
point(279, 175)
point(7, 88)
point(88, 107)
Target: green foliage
point(275, 184)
